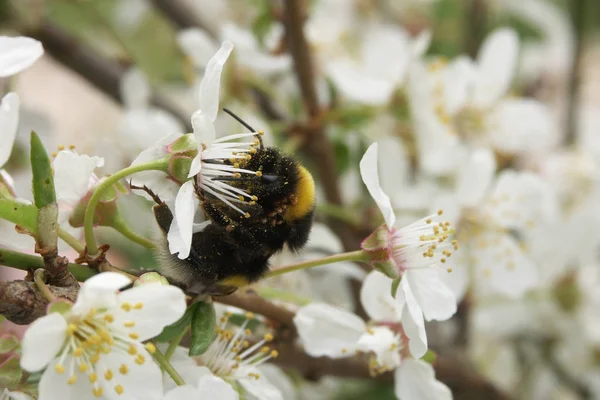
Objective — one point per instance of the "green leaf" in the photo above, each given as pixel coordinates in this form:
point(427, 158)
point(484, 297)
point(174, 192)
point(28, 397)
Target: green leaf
point(10, 371)
point(204, 322)
point(429, 357)
point(395, 284)
point(60, 305)
point(174, 329)
point(239, 319)
point(43, 178)
point(8, 342)
point(19, 213)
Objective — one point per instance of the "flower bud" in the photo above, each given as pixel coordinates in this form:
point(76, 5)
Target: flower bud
point(151, 278)
point(377, 246)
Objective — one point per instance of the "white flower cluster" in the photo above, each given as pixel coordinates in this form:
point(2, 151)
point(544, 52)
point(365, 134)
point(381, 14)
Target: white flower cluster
point(486, 202)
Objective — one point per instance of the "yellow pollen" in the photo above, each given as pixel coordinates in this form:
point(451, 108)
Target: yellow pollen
point(72, 380)
point(71, 147)
point(443, 260)
point(241, 198)
point(249, 315)
point(109, 318)
point(54, 154)
point(78, 352)
point(265, 349)
point(238, 358)
point(440, 212)
point(119, 389)
point(98, 392)
point(129, 324)
point(93, 377)
point(245, 344)
point(274, 353)
point(108, 375)
point(151, 348)
point(259, 173)
point(253, 150)
point(268, 337)
point(247, 215)
point(254, 198)
point(126, 306)
point(138, 306)
point(83, 367)
point(261, 132)
point(71, 329)
point(61, 147)
point(428, 220)
point(59, 368)
point(123, 369)
point(134, 336)
point(236, 165)
point(140, 359)
point(449, 270)
point(132, 350)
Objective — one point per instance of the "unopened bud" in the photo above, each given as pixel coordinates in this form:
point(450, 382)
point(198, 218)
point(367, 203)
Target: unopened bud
point(151, 278)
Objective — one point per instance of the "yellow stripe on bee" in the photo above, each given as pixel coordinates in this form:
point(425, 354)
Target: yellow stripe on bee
point(305, 193)
point(235, 280)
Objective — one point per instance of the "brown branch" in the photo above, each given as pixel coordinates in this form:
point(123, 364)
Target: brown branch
point(578, 11)
point(22, 303)
point(250, 301)
point(101, 72)
point(182, 16)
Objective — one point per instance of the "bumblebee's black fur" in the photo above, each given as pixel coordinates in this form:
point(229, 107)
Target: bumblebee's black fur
point(236, 245)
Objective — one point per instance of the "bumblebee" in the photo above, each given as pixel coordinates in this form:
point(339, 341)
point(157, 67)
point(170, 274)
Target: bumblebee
point(234, 249)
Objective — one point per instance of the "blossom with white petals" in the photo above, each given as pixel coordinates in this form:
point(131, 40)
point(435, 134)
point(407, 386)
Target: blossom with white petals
point(9, 120)
point(8, 395)
point(95, 348)
point(17, 54)
point(208, 386)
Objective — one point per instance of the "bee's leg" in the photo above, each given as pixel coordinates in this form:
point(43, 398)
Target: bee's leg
point(146, 189)
point(216, 215)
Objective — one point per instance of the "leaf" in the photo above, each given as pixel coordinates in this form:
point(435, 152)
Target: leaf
point(429, 357)
point(177, 327)
point(8, 342)
point(204, 322)
point(19, 213)
point(239, 319)
point(60, 305)
point(43, 178)
point(395, 284)
point(10, 371)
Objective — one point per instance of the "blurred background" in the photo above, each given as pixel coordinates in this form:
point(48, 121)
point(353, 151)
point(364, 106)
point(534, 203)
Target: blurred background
point(117, 75)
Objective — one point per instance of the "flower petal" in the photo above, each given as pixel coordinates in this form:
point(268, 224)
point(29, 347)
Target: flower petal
point(415, 379)
point(356, 84)
point(142, 381)
point(72, 173)
point(475, 177)
point(376, 297)
point(17, 54)
point(279, 379)
point(162, 305)
point(204, 132)
point(54, 386)
point(15, 395)
point(197, 45)
point(211, 82)
point(212, 387)
point(9, 120)
point(497, 62)
point(186, 392)
point(260, 388)
point(370, 176)
point(186, 204)
point(135, 91)
point(412, 320)
point(434, 298)
point(42, 341)
point(384, 343)
point(328, 331)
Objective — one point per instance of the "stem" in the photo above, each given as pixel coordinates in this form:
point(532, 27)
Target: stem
point(71, 240)
point(358, 255)
point(38, 277)
point(578, 13)
point(90, 240)
point(25, 262)
point(174, 343)
point(120, 226)
point(167, 367)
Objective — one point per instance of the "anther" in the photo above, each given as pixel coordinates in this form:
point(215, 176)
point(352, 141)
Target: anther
point(72, 380)
point(151, 348)
point(268, 337)
point(59, 368)
point(138, 306)
point(129, 324)
point(83, 367)
point(108, 375)
point(98, 392)
point(126, 306)
point(119, 389)
point(123, 369)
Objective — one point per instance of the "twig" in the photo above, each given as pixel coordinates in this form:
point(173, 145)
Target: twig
point(578, 10)
point(27, 262)
point(39, 277)
point(101, 72)
point(476, 19)
point(22, 303)
point(250, 301)
point(182, 16)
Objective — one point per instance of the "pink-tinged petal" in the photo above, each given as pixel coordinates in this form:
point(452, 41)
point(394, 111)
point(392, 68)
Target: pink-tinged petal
point(186, 392)
point(72, 173)
point(197, 45)
point(211, 82)
point(376, 297)
point(9, 120)
point(161, 305)
point(42, 341)
point(522, 125)
point(328, 331)
point(142, 381)
point(415, 379)
point(412, 319)
point(497, 60)
point(475, 177)
point(370, 176)
point(186, 204)
point(17, 54)
point(55, 386)
point(434, 298)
